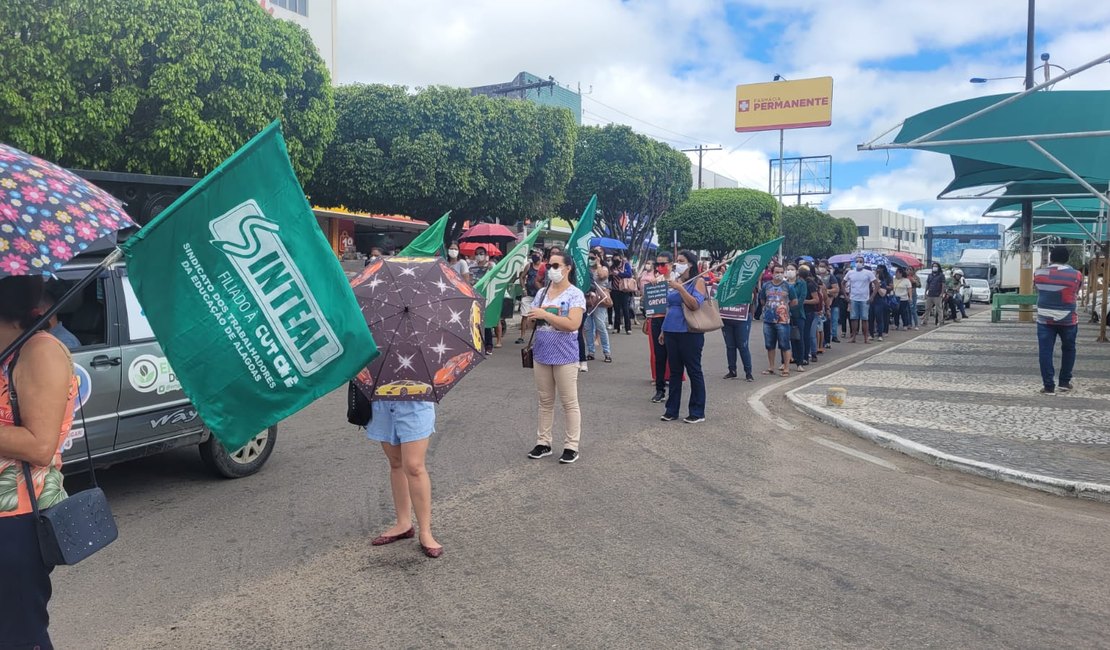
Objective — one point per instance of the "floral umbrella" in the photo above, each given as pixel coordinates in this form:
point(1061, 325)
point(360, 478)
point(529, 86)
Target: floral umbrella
point(48, 215)
point(427, 322)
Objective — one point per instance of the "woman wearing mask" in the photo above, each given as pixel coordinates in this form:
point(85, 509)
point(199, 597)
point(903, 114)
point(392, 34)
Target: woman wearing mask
point(915, 283)
point(646, 276)
point(482, 264)
point(620, 270)
point(798, 338)
point(903, 290)
point(654, 327)
point(934, 296)
point(879, 322)
point(47, 391)
point(684, 347)
point(557, 314)
point(457, 264)
point(596, 320)
point(811, 309)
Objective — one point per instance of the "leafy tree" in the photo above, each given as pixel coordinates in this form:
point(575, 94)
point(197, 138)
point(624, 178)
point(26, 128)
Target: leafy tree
point(722, 220)
point(637, 180)
point(442, 148)
point(158, 86)
point(809, 231)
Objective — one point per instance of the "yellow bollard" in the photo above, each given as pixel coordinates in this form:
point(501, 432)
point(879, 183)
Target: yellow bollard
point(836, 396)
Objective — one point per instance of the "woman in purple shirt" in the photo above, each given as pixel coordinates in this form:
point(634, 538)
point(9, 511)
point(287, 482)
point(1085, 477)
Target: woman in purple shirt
point(556, 313)
point(683, 346)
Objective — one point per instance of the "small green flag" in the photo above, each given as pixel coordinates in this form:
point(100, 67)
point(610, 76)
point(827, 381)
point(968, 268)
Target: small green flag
point(430, 242)
point(579, 245)
point(493, 284)
point(246, 297)
point(743, 273)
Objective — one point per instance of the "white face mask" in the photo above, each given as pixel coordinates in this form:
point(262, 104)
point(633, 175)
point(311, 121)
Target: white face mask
point(453, 253)
point(681, 269)
point(790, 275)
point(555, 275)
point(481, 257)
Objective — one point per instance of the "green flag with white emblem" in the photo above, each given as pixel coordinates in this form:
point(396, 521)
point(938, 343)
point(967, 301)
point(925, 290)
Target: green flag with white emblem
point(743, 273)
point(579, 245)
point(430, 242)
point(246, 297)
point(493, 284)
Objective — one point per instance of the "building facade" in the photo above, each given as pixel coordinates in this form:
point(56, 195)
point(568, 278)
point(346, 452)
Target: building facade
point(546, 92)
point(709, 178)
point(319, 17)
point(887, 231)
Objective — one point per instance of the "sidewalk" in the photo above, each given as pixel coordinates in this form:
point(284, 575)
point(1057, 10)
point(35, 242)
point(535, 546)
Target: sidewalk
point(965, 397)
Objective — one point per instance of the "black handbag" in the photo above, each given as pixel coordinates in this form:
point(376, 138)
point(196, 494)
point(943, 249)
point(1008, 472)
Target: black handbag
point(359, 411)
point(79, 525)
point(526, 358)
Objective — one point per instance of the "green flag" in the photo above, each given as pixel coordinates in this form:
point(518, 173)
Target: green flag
point(430, 242)
point(743, 273)
point(493, 284)
point(579, 244)
point(245, 295)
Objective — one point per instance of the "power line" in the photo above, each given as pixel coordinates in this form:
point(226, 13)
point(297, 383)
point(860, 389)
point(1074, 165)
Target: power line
point(608, 120)
point(683, 135)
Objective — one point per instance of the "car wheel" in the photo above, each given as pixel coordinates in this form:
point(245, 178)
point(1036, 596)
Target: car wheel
point(243, 462)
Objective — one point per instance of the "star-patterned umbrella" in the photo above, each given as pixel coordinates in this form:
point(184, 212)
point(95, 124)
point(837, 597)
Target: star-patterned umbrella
point(427, 322)
point(48, 215)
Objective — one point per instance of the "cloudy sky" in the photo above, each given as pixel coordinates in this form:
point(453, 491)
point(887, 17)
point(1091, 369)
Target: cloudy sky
point(669, 68)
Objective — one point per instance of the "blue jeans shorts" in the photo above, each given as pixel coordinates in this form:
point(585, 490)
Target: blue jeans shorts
point(400, 422)
point(861, 310)
point(776, 333)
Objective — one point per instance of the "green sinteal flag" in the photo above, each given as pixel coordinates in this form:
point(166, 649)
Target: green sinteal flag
point(430, 242)
point(497, 280)
point(743, 273)
point(579, 245)
point(245, 296)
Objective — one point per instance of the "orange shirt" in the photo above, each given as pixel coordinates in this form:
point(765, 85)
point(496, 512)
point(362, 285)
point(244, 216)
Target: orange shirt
point(48, 479)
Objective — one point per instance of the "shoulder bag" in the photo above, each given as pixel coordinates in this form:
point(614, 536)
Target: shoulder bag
point(629, 285)
point(526, 358)
point(706, 318)
point(79, 525)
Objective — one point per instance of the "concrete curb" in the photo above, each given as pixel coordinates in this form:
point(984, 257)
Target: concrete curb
point(1052, 484)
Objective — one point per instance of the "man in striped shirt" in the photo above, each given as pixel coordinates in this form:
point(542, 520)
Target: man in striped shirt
point(1057, 288)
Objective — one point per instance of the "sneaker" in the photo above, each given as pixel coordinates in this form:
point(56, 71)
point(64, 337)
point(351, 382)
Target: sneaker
point(539, 451)
point(583, 367)
point(668, 418)
point(519, 341)
point(693, 420)
point(1048, 391)
point(659, 397)
point(568, 457)
point(880, 339)
point(730, 375)
point(748, 376)
point(1065, 388)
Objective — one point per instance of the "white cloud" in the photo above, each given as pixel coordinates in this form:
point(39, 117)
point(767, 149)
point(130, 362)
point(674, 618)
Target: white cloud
point(674, 64)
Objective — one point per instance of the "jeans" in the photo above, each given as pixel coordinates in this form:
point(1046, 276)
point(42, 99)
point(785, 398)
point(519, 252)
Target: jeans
point(798, 345)
point(811, 334)
point(659, 354)
point(913, 307)
point(25, 590)
point(878, 323)
point(1046, 345)
point(832, 325)
point(684, 353)
point(595, 324)
point(622, 310)
point(903, 315)
point(564, 380)
point(736, 333)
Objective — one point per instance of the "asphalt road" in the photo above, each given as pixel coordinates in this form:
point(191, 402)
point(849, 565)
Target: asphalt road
point(741, 532)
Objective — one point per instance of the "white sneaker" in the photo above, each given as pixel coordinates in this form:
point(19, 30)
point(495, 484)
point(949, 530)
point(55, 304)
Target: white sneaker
point(582, 367)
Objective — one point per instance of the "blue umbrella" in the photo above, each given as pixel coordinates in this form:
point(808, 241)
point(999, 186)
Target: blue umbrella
point(608, 242)
point(873, 259)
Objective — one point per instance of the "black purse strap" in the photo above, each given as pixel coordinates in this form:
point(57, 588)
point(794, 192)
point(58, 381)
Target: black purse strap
point(13, 397)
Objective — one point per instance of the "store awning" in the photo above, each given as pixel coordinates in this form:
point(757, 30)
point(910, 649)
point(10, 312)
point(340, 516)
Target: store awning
point(378, 222)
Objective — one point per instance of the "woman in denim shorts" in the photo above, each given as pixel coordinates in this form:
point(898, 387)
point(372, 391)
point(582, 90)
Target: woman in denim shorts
point(404, 428)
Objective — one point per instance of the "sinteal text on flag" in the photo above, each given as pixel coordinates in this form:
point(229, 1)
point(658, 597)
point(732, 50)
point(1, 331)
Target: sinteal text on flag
point(743, 273)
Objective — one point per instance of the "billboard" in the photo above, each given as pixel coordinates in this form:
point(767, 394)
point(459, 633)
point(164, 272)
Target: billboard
point(784, 104)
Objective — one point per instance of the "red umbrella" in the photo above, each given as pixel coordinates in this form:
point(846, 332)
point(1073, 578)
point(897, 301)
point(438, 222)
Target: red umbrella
point(470, 248)
point(907, 258)
point(489, 232)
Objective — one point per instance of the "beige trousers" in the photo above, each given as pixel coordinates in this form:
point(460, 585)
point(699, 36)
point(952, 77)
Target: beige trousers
point(931, 303)
point(563, 379)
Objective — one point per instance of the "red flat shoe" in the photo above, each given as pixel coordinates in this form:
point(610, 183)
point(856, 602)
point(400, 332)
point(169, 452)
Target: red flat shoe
point(382, 540)
point(432, 552)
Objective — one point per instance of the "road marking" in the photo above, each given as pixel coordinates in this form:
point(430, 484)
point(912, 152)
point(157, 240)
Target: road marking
point(852, 452)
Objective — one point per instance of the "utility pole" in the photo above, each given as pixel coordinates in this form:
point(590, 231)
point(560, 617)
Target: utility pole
point(701, 149)
point(1026, 277)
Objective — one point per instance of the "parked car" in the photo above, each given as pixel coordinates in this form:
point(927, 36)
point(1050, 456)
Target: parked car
point(980, 291)
point(130, 402)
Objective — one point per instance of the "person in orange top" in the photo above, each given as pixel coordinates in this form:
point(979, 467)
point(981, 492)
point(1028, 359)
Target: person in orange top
point(47, 391)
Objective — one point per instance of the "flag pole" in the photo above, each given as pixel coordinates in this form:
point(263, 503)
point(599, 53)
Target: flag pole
point(106, 263)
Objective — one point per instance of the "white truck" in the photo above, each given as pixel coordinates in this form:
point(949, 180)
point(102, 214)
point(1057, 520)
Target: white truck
point(1001, 269)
